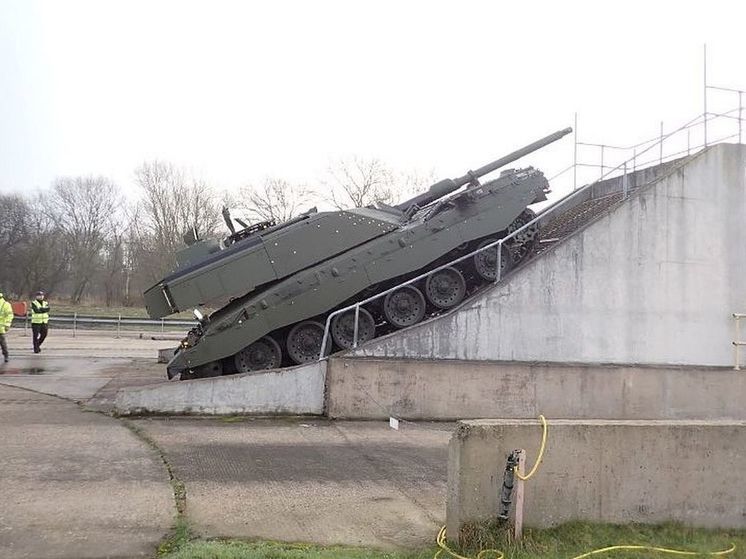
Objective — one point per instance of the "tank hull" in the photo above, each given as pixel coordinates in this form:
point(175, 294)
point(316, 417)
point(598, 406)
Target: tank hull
point(401, 250)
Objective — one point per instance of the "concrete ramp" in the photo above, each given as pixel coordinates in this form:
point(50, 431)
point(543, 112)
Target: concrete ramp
point(653, 280)
point(294, 391)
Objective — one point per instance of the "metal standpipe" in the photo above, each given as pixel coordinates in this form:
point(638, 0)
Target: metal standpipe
point(625, 182)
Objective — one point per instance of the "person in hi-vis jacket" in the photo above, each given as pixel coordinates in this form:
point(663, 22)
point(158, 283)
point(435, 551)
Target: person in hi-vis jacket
point(39, 320)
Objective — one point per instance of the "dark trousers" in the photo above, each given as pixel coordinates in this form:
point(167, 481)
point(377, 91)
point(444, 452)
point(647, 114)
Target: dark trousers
point(4, 345)
point(39, 332)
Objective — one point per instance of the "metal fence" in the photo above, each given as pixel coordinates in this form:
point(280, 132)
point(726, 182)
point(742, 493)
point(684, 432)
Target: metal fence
point(118, 323)
point(644, 154)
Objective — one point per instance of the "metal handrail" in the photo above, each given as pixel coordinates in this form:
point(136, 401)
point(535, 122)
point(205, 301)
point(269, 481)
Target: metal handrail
point(710, 117)
point(499, 243)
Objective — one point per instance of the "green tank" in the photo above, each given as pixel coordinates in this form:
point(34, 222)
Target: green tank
point(275, 284)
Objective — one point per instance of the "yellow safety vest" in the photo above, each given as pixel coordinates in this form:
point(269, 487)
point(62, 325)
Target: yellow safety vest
point(39, 312)
point(6, 315)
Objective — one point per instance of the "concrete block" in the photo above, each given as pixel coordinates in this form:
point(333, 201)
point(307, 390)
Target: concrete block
point(296, 391)
point(165, 354)
point(603, 471)
point(359, 388)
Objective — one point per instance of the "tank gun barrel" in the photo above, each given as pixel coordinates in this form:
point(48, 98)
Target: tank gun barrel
point(441, 188)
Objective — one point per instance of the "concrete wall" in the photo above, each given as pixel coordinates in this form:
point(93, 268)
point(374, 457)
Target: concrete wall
point(295, 391)
point(653, 281)
point(603, 471)
point(425, 389)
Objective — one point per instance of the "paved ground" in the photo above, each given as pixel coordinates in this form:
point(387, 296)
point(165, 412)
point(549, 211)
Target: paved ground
point(358, 483)
point(80, 484)
point(90, 367)
point(76, 484)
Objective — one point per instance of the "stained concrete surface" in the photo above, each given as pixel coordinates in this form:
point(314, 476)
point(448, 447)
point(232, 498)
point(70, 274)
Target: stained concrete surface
point(76, 484)
point(90, 367)
point(357, 483)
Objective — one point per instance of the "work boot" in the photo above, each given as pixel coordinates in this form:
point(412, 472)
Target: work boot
point(6, 358)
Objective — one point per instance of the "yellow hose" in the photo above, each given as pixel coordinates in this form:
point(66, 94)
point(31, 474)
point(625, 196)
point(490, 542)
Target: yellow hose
point(445, 549)
point(667, 550)
point(497, 554)
point(545, 431)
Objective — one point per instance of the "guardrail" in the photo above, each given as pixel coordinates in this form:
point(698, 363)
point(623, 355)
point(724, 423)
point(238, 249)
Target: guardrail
point(117, 323)
point(621, 169)
point(738, 342)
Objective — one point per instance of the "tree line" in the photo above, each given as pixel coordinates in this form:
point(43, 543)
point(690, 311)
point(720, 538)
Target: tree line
point(84, 241)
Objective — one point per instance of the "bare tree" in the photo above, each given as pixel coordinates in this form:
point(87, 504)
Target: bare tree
point(171, 204)
point(43, 257)
point(413, 182)
point(14, 236)
point(84, 209)
point(358, 182)
point(277, 199)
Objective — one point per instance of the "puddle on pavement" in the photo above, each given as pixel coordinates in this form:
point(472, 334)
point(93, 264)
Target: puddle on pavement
point(6, 370)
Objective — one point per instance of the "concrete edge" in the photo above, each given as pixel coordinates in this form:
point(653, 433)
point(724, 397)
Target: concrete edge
point(294, 391)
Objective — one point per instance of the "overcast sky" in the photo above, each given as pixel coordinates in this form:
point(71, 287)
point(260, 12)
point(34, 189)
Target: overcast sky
point(241, 90)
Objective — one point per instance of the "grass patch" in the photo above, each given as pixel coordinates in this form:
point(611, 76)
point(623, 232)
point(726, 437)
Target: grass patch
point(178, 539)
point(202, 549)
point(233, 418)
point(564, 542)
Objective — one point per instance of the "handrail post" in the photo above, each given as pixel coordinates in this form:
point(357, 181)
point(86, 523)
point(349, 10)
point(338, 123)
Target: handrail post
point(357, 321)
point(625, 184)
point(661, 145)
point(737, 343)
point(163, 325)
point(75, 323)
point(325, 337)
point(704, 67)
point(119, 323)
point(498, 264)
point(602, 161)
point(575, 155)
point(740, 110)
